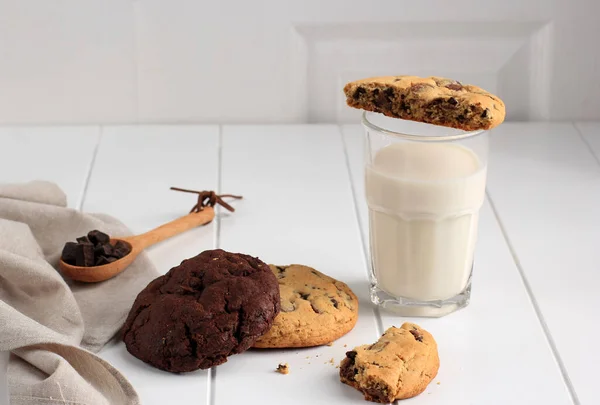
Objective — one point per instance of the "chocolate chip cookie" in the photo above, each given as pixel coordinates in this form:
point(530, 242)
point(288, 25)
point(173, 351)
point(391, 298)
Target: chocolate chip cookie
point(315, 309)
point(433, 100)
point(399, 365)
point(209, 307)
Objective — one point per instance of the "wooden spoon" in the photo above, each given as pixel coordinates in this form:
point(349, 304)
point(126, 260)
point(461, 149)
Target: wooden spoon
point(137, 244)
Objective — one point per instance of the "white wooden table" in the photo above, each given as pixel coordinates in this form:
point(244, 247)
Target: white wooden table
point(529, 336)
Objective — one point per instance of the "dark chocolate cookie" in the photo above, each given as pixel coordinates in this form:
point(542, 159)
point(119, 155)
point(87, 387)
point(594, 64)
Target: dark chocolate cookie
point(209, 307)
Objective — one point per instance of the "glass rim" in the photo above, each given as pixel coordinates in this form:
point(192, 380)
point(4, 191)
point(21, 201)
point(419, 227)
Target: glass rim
point(421, 138)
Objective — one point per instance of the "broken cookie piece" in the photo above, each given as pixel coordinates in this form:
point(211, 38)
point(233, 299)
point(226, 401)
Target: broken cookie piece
point(433, 100)
point(399, 365)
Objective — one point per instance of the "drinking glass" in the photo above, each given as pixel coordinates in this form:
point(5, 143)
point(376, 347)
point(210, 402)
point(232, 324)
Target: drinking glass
point(425, 185)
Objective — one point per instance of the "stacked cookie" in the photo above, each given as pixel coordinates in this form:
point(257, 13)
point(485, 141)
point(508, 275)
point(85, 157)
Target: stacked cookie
point(218, 304)
point(315, 309)
point(209, 307)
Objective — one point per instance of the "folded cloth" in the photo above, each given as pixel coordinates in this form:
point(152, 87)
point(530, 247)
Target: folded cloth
point(50, 325)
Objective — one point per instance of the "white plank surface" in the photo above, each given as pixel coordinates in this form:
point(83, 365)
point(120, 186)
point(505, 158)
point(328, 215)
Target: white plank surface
point(150, 160)
point(493, 344)
point(62, 155)
point(297, 208)
point(545, 183)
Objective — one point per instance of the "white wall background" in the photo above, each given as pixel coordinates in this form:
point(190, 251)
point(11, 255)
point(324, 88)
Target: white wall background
point(129, 61)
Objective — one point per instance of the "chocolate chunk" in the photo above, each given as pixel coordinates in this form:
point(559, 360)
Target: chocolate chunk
point(358, 92)
point(418, 336)
point(348, 370)
point(351, 354)
point(485, 112)
point(452, 101)
point(104, 250)
point(93, 250)
point(389, 92)
point(69, 253)
point(335, 303)
point(382, 101)
point(120, 249)
point(121, 245)
point(102, 260)
point(460, 118)
point(97, 237)
point(84, 255)
point(455, 86)
point(83, 239)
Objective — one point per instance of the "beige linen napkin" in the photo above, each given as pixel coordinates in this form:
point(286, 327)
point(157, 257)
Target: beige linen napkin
point(50, 325)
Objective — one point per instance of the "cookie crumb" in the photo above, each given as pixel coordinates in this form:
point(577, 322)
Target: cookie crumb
point(438, 383)
point(330, 344)
point(283, 368)
point(345, 345)
point(332, 360)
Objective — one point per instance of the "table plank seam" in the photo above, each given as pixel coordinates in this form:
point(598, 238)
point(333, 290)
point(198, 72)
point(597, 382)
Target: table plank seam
point(361, 231)
point(534, 303)
point(218, 211)
point(79, 206)
point(586, 142)
point(212, 373)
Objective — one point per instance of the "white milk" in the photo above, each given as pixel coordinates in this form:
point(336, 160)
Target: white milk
point(424, 201)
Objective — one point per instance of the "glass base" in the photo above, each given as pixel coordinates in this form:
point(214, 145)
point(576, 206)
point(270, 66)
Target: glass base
point(414, 308)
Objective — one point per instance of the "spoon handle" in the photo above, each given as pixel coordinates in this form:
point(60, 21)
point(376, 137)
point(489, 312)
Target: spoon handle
point(173, 228)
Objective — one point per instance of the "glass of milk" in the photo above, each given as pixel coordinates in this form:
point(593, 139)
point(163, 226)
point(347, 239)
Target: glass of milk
point(425, 185)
